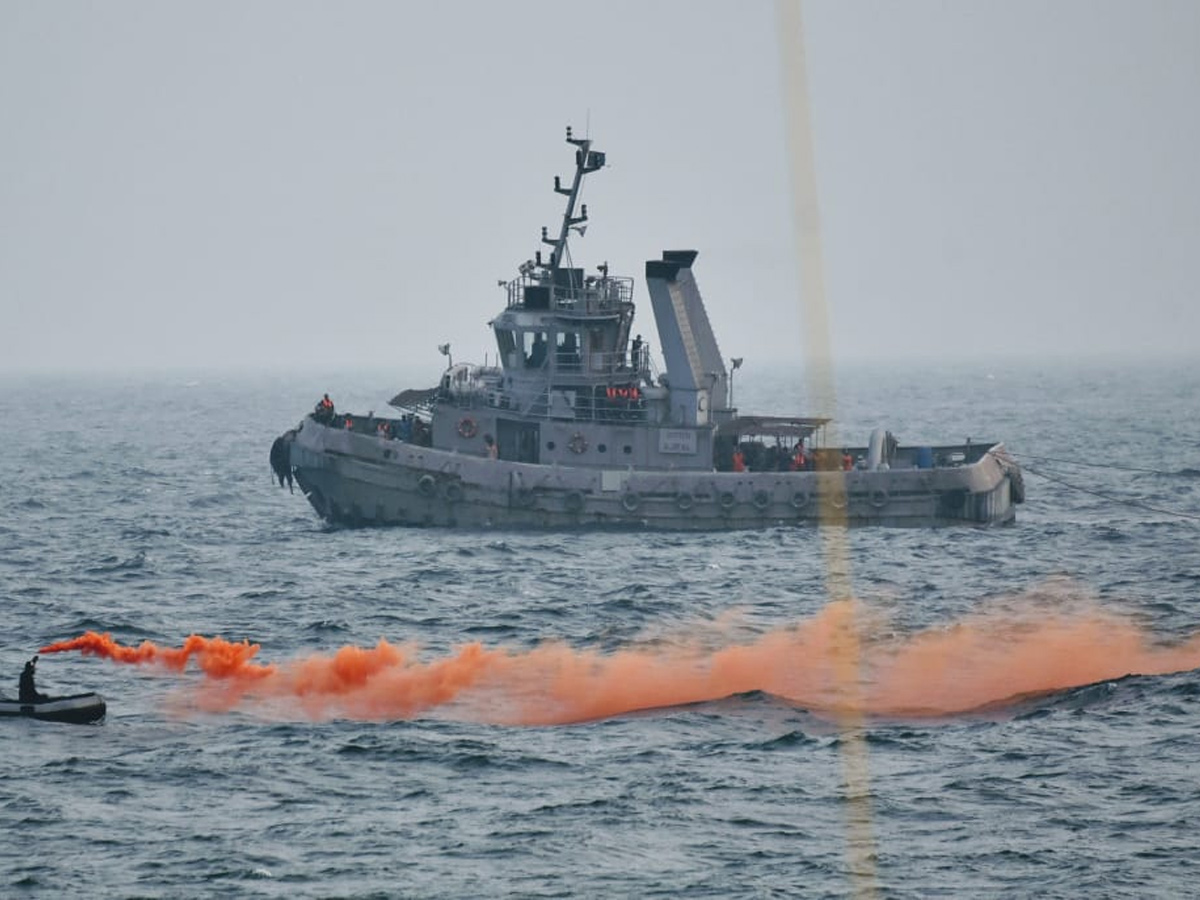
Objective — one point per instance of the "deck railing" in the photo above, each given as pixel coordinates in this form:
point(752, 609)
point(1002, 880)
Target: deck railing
point(585, 407)
point(595, 295)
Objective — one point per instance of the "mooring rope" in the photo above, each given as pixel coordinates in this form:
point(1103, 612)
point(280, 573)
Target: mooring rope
point(1111, 498)
point(1095, 465)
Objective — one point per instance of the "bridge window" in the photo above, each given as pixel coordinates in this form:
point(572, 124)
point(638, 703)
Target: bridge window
point(507, 342)
point(534, 343)
point(566, 352)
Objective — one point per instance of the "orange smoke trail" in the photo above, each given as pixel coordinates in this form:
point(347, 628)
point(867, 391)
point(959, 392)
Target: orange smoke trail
point(980, 661)
point(989, 659)
point(216, 657)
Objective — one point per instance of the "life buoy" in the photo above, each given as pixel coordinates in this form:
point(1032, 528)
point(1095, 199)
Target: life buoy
point(878, 497)
point(761, 500)
point(800, 499)
point(684, 501)
point(467, 427)
point(727, 500)
point(630, 501)
point(453, 492)
point(573, 501)
point(427, 485)
point(578, 443)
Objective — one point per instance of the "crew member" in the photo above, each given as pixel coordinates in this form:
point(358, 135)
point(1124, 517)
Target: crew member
point(739, 460)
point(324, 410)
point(493, 452)
point(800, 460)
point(537, 356)
point(27, 690)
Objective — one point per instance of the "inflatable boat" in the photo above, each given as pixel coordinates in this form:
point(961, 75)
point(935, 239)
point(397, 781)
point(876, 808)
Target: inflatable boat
point(77, 709)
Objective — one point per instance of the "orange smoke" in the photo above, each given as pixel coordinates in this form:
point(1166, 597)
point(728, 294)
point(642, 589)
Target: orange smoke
point(216, 657)
point(982, 660)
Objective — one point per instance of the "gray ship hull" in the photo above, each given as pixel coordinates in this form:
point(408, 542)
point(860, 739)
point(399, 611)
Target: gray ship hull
point(354, 479)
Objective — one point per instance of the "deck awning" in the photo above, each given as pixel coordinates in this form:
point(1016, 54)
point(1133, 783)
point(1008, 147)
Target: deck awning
point(795, 427)
point(413, 399)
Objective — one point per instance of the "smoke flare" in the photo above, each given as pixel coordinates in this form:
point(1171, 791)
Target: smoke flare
point(979, 661)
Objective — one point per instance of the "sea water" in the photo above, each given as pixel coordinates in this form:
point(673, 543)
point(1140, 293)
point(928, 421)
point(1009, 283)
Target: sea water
point(613, 714)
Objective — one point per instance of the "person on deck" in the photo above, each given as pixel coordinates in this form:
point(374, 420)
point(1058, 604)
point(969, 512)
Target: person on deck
point(799, 459)
point(324, 410)
point(493, 452)
point(27, 689)
point(537, 356)
point(739, 460)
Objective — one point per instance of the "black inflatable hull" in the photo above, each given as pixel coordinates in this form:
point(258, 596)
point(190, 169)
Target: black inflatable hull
point(78, 709)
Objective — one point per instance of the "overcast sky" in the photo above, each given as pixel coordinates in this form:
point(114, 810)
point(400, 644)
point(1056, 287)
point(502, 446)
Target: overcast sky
point(240, 183)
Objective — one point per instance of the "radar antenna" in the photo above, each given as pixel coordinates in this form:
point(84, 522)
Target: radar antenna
point(586, 160)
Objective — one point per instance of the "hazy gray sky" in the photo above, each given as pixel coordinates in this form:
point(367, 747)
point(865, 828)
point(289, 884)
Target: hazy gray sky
point(234, 183)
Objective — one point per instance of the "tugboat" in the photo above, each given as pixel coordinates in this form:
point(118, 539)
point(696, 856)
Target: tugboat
point(576, 428)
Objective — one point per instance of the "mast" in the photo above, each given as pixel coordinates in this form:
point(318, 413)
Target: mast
point(586, 160)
